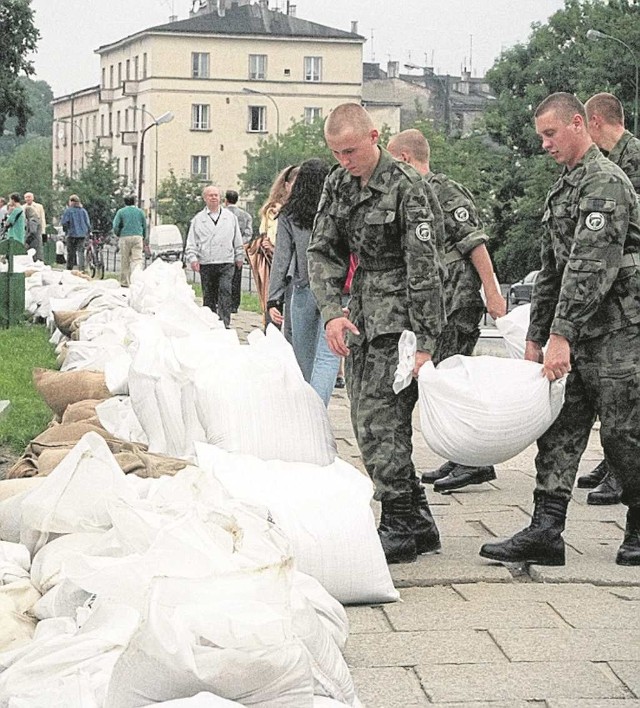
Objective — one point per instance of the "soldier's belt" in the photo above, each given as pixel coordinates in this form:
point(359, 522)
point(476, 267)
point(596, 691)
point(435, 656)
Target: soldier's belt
point(630, 259)
point(381, 265)
point(452, 257)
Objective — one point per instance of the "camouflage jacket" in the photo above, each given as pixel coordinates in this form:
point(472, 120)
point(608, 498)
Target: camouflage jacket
point(463, 233)
point(626, 154)
point(390, 226)
point(590, 279)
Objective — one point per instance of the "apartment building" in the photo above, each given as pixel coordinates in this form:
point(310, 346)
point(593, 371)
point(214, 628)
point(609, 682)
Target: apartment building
point(233, 72)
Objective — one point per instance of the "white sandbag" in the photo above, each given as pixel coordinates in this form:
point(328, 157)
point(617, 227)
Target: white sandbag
point(229, 634)
point(200, 700)
point(15, 562)
point(91, 355)
point(324, 511)
point(16, 627)
point(75, 495)
point(11, 517)
point(62, 600)
point(513, 328)
point(47, 569)
point(243, 387)
point(11, 487)
point(484, 410)
point(324, 702)
point(116, 374)
point(74, 691)
point(116, 415)
point(47, 665)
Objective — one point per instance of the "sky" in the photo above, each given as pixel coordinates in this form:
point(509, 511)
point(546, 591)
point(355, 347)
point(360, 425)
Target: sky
point(448, 34)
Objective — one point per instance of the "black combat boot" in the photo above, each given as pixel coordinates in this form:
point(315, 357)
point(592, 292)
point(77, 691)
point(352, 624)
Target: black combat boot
point(442, 471)
point(541, 542)
point(425, 530)
point(592, 479)
point(629, 551)
point(396, 530)
point(609, 491)
point(462, 476)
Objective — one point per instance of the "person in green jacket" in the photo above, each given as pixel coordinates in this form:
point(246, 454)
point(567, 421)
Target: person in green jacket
point(15, 218)
point(130, 226)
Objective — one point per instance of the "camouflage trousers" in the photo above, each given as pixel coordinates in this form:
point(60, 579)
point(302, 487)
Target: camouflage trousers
point(460, 335)
point(381, 419)
point(604, 381)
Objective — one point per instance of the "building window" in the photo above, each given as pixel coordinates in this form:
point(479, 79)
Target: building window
point(257, 66)
point(111, 76)
point(312, 114)
point(136, 66)
point(102, 124)
point(257, 119)
point(126, 168)
point(126, 119)
point(199, 65)
point(200, 166)
point(104, 77)
point(313, 68)
point(134, 119)
point(127, 72)
point(145, 65)
point(200, 116)
point(119, 73)
point(110, 123)
point(94, 123)
point(118, 123)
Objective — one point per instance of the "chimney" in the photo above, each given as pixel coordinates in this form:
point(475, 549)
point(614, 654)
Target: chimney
point(393, 69)
point(292, 10)
point(222, 7)
point(354, 26)
point(264, 4)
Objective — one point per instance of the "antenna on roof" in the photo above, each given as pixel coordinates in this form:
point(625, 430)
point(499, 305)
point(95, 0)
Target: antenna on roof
point(373, 53)
point(172, 7)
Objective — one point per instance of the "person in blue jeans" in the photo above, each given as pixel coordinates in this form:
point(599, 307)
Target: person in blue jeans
point(319, 365)
point(76, 225)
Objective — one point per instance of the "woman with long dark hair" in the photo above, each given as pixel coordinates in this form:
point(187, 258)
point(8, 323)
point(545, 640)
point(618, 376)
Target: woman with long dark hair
point(318, 364)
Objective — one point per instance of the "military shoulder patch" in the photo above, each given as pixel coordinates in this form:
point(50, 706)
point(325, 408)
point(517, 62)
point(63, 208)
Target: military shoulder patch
point(595, 221)
point(423, 231)
point(461, 214)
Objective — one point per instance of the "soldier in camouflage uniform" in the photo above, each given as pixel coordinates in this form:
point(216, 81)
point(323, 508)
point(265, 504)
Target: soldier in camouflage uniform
point(586, 304)
point(468, 267)
point(605, 122)
point(380, 210)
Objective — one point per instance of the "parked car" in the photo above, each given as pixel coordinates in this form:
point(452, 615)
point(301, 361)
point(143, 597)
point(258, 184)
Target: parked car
point(521, 291)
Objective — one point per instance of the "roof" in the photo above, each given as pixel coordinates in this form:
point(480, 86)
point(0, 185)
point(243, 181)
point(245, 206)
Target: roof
point(247, 20)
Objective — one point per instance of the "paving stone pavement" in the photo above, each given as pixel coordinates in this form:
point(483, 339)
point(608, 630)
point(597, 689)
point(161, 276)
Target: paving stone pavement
point(469, 633)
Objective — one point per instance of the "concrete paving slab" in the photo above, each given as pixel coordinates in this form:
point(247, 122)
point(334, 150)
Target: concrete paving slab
point(625, 593)
point(472, 614)
point(496, 704)
point(389, 688)
point(600, 703)
point(594, 530)
point(614, 614)
point(414, 647)
point(435, 593)
point(520, 681)
point(457, 563)
point(367, 619)
point(629, 673)
point(587, 569)
point(531, 592)
point(569, 644)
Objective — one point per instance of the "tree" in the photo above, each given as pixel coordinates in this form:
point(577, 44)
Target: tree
point(19, 39)
point(39, 97)
point(179, 200)
point(28, 169)
point(99, 187)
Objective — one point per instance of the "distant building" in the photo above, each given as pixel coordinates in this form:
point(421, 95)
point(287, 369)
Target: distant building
point(232, 73)
point(453, 103)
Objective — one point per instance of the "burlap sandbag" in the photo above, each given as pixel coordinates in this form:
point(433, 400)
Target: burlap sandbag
point(59, 389)
point(82, 412)
point(66, 320)
point(11, 487)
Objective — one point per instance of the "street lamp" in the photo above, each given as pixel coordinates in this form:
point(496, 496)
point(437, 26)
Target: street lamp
point(73, 125)
point(161, 120)
point(275, 105)
point(595, 35)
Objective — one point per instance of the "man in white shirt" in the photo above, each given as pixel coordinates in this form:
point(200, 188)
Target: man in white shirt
point(214, 249)
point(29, 201)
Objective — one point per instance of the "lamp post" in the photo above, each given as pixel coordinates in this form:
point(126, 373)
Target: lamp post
point(595, 35)
point(73, 125)
point(275, 105)
point(161, 120)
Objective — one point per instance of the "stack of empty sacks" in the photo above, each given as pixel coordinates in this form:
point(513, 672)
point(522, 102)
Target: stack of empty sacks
point(150, 590)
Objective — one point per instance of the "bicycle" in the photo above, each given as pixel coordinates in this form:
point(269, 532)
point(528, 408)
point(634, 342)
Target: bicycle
point(93, 255)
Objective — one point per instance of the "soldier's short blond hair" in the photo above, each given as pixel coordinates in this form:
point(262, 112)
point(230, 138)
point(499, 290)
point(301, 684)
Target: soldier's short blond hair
point(348, 116)
point(565, 105)
point(607, 106)
point(413, 142)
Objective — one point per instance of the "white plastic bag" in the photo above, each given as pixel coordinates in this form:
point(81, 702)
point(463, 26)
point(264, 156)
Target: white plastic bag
point(513, 328)
point(15, 562)
point(484, 410)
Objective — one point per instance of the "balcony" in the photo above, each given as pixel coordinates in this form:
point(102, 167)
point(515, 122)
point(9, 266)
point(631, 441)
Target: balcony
point(129, 137)
point(130, 88)
point(105, 141)
point(106, 95)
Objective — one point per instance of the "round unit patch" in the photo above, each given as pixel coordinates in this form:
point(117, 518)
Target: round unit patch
point(423, 231)
point(595, 221)
point(461, 214)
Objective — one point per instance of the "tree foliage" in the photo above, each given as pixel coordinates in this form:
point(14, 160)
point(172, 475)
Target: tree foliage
point(99, 187)
point(28, 169)
point(18, 39)
point(179, 200)
point(39, 97)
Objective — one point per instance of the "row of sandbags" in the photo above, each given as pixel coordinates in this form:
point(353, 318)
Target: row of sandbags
point(150, 590)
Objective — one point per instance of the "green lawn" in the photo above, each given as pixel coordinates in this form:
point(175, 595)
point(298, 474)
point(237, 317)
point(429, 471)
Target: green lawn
point(248, 301)
point(23, 348)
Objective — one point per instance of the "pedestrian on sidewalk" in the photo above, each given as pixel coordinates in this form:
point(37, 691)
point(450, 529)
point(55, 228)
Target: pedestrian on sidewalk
point(15, 224)
point(130, 226)
point(245, 222)
point(468, 267)
point(379, 209)
point(586, 309)
point(77, 226)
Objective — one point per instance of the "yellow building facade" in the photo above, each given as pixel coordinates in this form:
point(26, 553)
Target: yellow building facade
point(221, 80)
